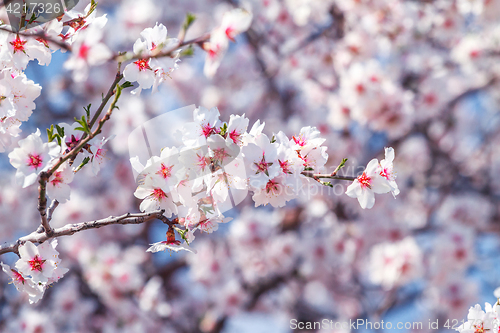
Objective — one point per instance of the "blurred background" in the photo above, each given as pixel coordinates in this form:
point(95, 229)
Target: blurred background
point(419, 76)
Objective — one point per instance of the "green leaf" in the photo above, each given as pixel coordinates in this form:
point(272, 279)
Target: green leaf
point(182, 233)
point(85, 161)
point(223, 129)
point(190, 18)
point(327, 184)
point(93, 6)
point(60, 130)
point(308, 169)
point(87, 110)
point(341, 165)
point(273, 139)
point(126, 84)
point(189, 52)
point(50, 133)
point(33, 17)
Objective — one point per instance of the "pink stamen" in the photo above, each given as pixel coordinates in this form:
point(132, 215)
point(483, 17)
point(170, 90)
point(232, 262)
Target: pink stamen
point(83, 52)
point(262, 166)
point(158, 194)
point(364, 180)
point(34, 161)
point(220, 154)
point(285, 167)
point(207, 130)
point(36, 264)
point(300, 140)
point(235, 136)
point(18, 44)
point(165, 171)
point(57, 178)
point(142, 64)
point(272, 186)
point(18, 277)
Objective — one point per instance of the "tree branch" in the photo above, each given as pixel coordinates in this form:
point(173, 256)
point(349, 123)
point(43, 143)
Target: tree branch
point(70, 229)
point(168, 53)
point(45, 175)
point(51, 210)
point(326, 175)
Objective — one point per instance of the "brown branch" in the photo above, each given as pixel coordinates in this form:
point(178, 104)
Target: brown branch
point(106, 98)
point(42, 206)
point(51, 209)
point(311, 174)
point(70, 229)
point(168, 53)
point(44, 176)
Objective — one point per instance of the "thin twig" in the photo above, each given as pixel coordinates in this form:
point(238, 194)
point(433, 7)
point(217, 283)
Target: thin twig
point(105, 100)
point(45, 175)
point(326, 175)
point(168, 53)
point(70, 229)
point(51, 209)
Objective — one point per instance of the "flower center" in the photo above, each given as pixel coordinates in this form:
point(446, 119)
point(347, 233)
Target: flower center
point(272, 186)
point(18, 277)
point(220, 154)
point(158, 194)
point(165, 171)
point(387, 174)
point(207, 130)
point(73, 142)
point(84, 51)
point(57, 178)
point(36, 264)
point(235, 136)
point(142, 64)
point(202, 162)
point(34, 161)
point(364, 180)
point(18, 44)
point(300, 140)
point(285, 166)
point(100, 153)
point(262, 166)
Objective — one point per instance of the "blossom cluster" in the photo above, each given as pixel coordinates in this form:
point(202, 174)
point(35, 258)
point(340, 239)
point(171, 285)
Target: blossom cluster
point(220, 162)
point(479, 320)
point(34, 156)
point(148, 71)
point(82, 31)
point(37, 268)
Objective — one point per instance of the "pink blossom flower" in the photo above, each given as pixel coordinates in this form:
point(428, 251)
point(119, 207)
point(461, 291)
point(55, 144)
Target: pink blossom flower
point(24, 284)
point(88, 51)
point(367, 184)
point(387, 170)
point(31, 157)
point(39, 262)
point(170, 244)
point(57, 185)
